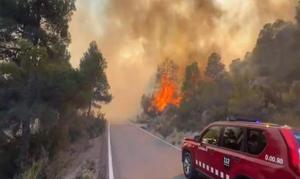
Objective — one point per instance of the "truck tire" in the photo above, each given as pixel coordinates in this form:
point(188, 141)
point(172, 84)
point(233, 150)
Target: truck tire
point(188, 167)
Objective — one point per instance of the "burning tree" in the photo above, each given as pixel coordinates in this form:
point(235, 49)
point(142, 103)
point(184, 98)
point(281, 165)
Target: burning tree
point(166, 94)
point(200, 98)
point(166, 90)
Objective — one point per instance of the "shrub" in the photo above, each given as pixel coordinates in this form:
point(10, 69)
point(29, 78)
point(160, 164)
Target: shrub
point(95, 126)
point(34, 171)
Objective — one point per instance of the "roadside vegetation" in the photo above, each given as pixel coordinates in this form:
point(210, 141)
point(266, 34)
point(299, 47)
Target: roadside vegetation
point(264, 85)
point(46, 105)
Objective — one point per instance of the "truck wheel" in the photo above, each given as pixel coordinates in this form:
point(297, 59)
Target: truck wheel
point(188, 168)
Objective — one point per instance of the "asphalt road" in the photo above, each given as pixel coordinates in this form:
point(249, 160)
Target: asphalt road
point(138, 155)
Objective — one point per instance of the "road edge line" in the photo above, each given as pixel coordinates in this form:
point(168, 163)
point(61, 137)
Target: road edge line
point(158, 138)
point(110, 165)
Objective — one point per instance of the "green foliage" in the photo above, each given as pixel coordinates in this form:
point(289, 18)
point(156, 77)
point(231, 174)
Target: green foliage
point(167, 68)
point(291, 97)
point(8, 154)
point(93, 66)
point(42, 98)
point(215, 68)
point(246, 101)
point(147, 105)
point(34, 171)
point(41, 22)
point(192, 78)
point(83, 177)
point(96, 125)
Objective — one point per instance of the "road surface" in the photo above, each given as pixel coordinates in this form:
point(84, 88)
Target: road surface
point(138, 155)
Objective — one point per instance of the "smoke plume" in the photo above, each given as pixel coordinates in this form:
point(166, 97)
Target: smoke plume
point(136, 35)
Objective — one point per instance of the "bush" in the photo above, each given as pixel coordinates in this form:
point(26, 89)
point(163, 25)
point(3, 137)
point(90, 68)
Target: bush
point(8, 154)
point(77, 129)
point(95, 126)
point(34, 171)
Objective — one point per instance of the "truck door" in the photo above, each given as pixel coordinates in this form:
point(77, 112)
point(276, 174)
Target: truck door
point(230, 153)
point(210, 138)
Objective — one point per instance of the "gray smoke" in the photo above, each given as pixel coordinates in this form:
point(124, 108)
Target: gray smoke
point(136, 35)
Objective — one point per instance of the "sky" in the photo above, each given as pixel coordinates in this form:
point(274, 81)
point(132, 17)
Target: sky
point(136, 35)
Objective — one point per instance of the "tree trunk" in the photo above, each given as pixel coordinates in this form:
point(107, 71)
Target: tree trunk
point(30, 95)
point(25, 139)
point(89, 109)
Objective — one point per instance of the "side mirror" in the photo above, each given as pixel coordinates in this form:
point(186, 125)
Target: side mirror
point(197, 138)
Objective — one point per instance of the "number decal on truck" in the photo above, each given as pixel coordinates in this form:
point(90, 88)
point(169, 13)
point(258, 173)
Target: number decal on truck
point(226, 161)
point(274, 159)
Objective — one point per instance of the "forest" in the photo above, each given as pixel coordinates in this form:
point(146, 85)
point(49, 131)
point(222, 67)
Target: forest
point(263, 85)
point(45, 104)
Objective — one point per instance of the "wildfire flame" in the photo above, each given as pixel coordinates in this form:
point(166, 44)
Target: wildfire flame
point(167, 94)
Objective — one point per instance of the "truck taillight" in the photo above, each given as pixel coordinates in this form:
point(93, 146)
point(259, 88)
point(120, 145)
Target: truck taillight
point(293, 148)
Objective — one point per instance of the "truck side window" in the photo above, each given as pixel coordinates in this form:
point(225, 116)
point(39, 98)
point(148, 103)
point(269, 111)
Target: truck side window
point(233, 138)
point(256, 141)
point(212, 135)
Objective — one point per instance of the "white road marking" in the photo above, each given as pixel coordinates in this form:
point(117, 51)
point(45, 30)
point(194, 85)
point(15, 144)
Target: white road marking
point(177, 148)
point(110, 165)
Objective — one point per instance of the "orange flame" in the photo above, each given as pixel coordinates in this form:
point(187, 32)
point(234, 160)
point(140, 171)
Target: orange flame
point(167, 94)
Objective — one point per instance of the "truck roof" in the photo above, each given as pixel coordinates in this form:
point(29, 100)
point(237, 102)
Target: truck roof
point(256, 124)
